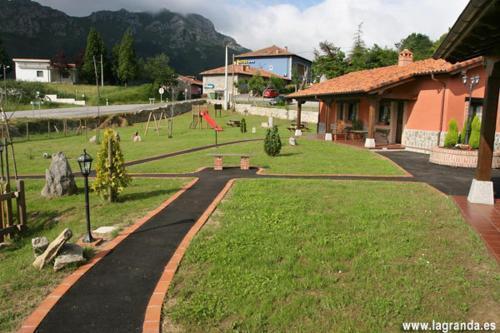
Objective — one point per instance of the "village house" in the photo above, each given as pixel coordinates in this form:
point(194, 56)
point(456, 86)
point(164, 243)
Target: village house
point(190, 86)
point(43, 70)
point(277, 60)
point(410, 103)
point(238, 75)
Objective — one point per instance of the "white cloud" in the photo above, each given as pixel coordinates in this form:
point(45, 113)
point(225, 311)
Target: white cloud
point(255, 24)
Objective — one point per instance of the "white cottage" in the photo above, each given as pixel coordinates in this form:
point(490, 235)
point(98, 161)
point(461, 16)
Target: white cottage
point(41, 70)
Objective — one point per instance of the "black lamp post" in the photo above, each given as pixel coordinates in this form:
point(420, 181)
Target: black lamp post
point(469, 83)
point(85, 163)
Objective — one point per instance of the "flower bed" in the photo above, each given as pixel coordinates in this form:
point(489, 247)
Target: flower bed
point(459, 158)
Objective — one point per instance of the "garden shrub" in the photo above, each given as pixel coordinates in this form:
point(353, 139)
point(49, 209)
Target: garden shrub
point(243, 125)
point(272, 143)
point(451, 138)
point(111, 176)
point(475, 132)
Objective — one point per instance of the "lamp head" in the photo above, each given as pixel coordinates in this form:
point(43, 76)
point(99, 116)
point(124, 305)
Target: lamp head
point(85, 163)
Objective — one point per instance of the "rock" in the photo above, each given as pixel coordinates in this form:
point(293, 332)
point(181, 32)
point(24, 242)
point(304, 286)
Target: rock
point(254, 130)
point(69, 254)
point(39, 245)
point(292, 141)
point(53, 249)
point(59, 179)
point(93, 139)
point(105, 232)
point(264, 125)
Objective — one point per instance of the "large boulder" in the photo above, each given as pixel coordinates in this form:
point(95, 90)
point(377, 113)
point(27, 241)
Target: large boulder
point(59, 179)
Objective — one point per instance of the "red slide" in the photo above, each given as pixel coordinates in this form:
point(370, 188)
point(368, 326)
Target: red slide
point(210, 121)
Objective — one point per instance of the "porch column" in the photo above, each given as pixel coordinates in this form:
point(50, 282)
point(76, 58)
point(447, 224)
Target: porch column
point(481, 190)
point(298, 131)
point(372, 109)
point(328, 120)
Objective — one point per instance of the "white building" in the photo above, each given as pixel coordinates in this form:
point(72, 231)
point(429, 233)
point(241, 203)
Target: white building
point(41, 70)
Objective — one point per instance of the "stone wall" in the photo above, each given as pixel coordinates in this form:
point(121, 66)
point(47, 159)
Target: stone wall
point(425, 141)
point(459, 158)
point(307, 116)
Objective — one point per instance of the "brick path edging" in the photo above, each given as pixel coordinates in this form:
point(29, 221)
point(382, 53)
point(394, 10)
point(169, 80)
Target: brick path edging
point(152, 318)
point(31, 323)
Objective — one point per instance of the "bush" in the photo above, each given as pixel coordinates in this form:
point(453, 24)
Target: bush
point(451, 138)
point(272, 143)
point(243, 125)
point(475, 133)
point(111, 176)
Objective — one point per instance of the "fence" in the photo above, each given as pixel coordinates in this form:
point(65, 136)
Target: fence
point(12, 223)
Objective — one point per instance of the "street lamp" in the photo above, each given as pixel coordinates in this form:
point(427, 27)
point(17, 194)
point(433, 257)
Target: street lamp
point(469, 83)
point(85, 163)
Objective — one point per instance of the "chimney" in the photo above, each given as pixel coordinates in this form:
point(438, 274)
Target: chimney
point(405, 57)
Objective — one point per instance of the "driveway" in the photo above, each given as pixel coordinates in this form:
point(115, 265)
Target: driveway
point(449, 180)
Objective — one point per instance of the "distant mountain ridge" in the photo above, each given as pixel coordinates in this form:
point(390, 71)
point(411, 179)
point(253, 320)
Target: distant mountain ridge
point(29, 29)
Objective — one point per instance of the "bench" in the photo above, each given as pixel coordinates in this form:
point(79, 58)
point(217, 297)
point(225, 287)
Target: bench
point(218, 160)
point(234, 123)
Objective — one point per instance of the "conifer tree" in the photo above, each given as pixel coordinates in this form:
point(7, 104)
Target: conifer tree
point(95, 47)
point(272, 142)
point(111, 176)
point(127, 61)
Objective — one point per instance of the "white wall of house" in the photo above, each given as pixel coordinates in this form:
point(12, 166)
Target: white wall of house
point(33, 70)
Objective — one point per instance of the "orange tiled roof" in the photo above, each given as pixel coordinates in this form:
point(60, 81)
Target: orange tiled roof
point(242, 70)
point(368, 80)
point(268, 51)
point(189, 80)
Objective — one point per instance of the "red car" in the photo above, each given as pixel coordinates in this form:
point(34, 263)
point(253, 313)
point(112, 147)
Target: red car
point(270, 93)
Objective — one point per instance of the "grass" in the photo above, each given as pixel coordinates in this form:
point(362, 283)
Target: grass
point(309, 157)
point(29, 155)
point(332, 256)
point(22, 287)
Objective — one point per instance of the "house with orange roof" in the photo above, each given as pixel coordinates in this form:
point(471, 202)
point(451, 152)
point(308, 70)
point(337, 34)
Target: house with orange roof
point(214, 81)
point(190, 86)
point(410, 103)
point(277, 60)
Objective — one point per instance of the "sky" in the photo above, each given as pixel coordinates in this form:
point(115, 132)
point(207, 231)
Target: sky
point(299, 24)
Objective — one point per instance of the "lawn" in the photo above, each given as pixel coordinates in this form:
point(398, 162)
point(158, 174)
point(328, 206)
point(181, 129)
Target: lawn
point(332, 256)
point(22, 287)
point(30, 159)
point(309, 157)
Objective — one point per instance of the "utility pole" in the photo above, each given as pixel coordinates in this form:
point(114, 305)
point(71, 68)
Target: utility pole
point(225, 82)
point(102, 71)
point(98, 100)
point(232, 95)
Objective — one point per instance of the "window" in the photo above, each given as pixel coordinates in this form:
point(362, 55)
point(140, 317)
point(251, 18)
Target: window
point(384, 114)
point(352, 111)
point(340, 111)
point(39, 73)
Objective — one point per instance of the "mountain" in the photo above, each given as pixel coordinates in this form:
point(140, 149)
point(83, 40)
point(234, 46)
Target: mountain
point(30, 30)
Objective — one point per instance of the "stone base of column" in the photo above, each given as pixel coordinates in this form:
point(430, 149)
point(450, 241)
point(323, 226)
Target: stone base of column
point(369, 143)
point(328, 137)
point(481, 192)
point(298, 132)
point(218, 163)
point(245, 163)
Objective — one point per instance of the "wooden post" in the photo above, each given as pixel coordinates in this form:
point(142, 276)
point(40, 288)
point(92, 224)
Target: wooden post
point(110, 161)
point(489, 120)
point(48, 128)
point(372, 110)
point(65, 127)
point(27, 131)
point(299, 113)
point(21, 204)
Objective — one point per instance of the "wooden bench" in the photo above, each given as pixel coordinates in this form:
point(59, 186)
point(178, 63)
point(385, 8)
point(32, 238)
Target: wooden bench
point(218, 160)
point(234, 123)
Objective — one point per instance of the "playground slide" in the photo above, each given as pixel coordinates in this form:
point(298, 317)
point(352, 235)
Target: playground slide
point(210, 121)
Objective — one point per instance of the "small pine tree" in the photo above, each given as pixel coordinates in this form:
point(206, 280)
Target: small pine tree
point(475, 133)
point(451, 138)
point(272, 143)
point(127, 69)
point(111, 176)
point(243, 125)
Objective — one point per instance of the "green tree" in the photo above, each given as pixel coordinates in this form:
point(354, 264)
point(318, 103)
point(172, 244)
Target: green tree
point(127, 62)
point(357, 56)
point(257, 84)
point(377, 56)
point(421, 45)
point(4, 57)
point(438, 42)
point(95, 47)
point(111, 176)
point(475, 132)
point(329, 61)
point(277, 83)
point(158, 71)
point(272, 142)
point(451, 138)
